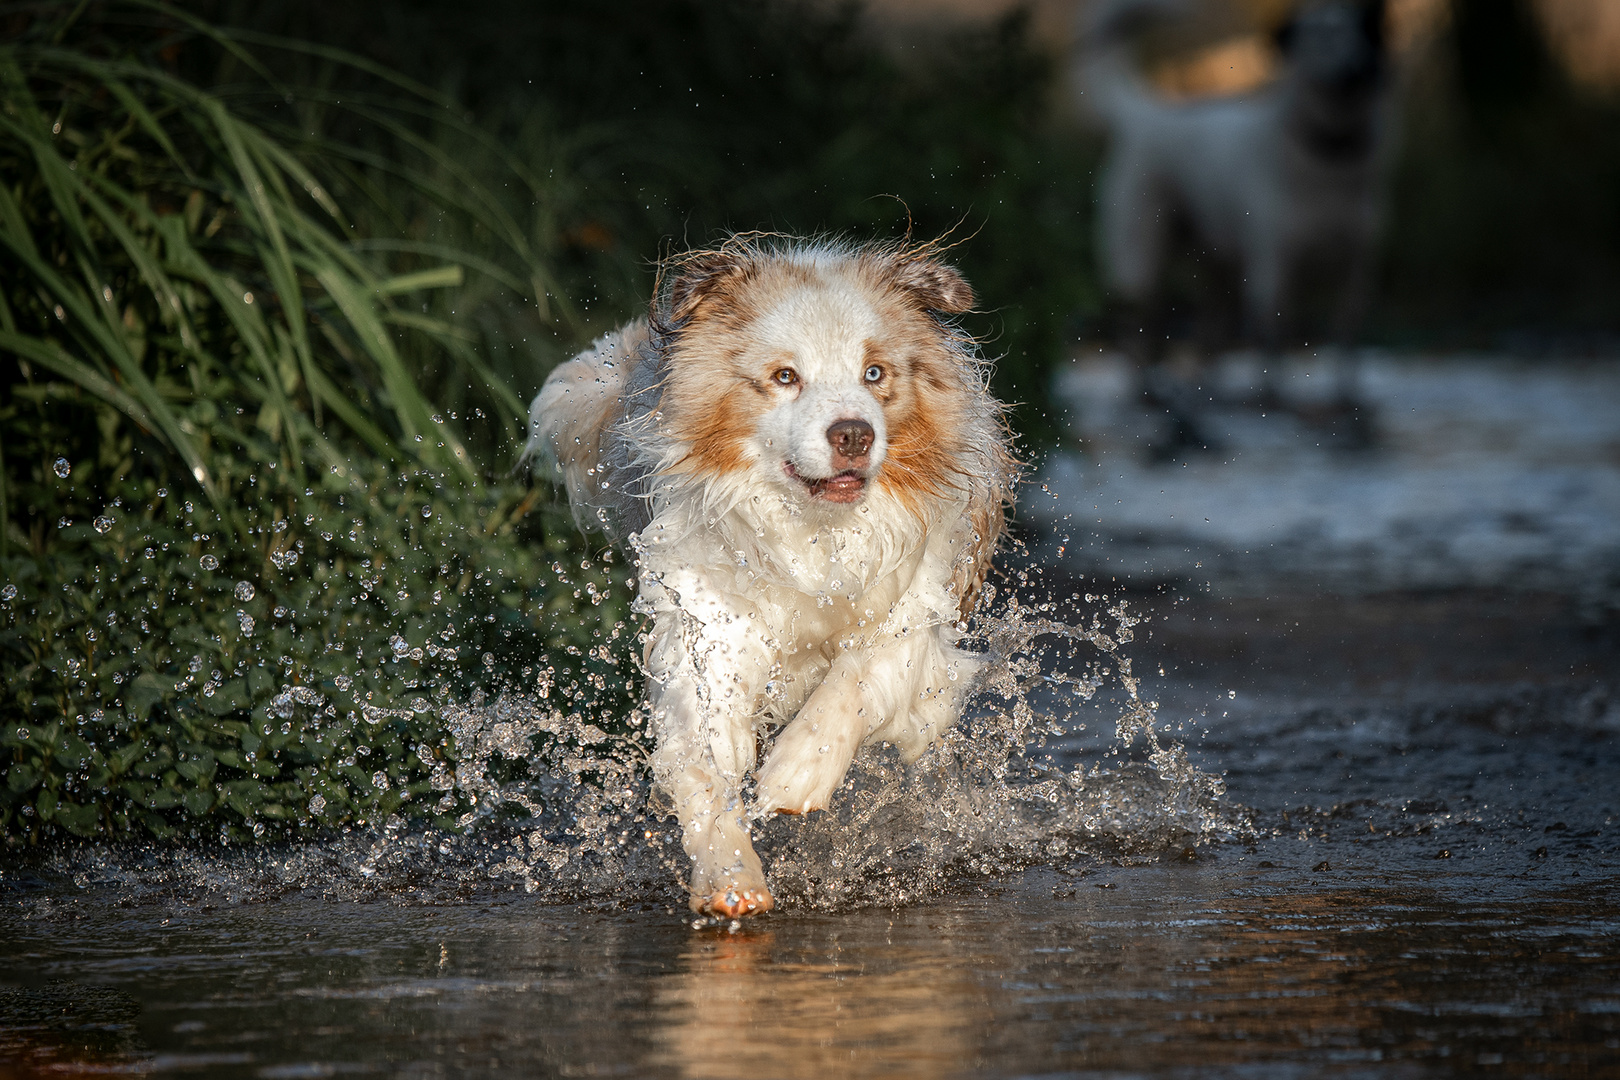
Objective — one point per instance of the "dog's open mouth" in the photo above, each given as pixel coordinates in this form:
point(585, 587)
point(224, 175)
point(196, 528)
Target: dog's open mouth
point(844, 487)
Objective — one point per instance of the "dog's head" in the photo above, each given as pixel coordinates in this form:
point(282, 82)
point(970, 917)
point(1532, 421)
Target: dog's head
point(825, 371)
point(1336, 45)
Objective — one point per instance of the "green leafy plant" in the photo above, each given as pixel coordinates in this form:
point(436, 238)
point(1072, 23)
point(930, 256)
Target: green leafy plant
point(245, 554)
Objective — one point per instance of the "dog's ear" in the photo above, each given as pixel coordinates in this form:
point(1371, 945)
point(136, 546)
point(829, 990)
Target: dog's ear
point(935, 286)
point(703, 278)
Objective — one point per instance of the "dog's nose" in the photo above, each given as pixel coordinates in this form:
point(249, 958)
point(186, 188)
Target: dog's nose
point(851, 439)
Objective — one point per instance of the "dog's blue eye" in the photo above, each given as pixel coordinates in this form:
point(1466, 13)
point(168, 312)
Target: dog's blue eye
point(874, 374)
point(787, 376)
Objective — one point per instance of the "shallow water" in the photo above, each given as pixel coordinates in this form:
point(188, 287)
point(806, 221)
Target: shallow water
point(1412, 871)
point(1167, 970)
point(1484, 471)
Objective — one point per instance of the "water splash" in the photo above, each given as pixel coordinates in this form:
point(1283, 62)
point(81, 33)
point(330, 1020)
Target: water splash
point(986, 801)
point(558, 806)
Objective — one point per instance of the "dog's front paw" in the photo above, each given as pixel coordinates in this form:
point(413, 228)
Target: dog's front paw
point(728, 881)
point(735, 903)
point(803, 769)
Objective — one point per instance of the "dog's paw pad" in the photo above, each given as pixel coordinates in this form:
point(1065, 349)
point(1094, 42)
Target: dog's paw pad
point(737, 903)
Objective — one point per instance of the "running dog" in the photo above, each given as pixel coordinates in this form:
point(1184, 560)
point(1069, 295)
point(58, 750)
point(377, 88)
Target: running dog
point(798, 447)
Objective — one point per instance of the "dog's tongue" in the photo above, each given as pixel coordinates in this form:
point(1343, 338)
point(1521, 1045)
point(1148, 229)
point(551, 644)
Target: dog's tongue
point(845, 487)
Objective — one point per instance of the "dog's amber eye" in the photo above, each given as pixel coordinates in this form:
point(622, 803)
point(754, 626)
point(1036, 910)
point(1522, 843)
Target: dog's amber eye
point(874, 373)
point(786, 376)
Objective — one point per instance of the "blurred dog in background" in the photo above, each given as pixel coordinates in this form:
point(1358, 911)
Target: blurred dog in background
point(1282, 185)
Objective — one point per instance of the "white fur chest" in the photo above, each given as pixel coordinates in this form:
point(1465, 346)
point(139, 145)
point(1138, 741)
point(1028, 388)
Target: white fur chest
point(808, 577)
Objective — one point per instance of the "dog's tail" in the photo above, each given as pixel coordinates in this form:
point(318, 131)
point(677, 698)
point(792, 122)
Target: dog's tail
point(572, 418)
point(1107, 79)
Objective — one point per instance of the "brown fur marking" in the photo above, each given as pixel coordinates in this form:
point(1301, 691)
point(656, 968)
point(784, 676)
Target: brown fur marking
point(718, 294)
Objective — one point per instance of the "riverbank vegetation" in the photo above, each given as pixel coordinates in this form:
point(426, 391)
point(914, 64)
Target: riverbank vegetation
point(269, 315)
point(259, 512)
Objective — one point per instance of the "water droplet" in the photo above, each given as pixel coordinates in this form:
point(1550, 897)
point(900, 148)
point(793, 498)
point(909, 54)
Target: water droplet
point(343, 682)
point(8, 593)
point(245, 621)
point(399, 645)
point(244, 591)
point(427, 511)
point(208, 562)
point(317, 804)
point(379, 780)
point(62, 468)
point(104, 523)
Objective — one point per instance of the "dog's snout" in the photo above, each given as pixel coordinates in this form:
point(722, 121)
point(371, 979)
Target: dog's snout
point(850, 439)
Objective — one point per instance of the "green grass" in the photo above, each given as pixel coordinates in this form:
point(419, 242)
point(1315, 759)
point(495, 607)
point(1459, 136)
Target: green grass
point(256, 522)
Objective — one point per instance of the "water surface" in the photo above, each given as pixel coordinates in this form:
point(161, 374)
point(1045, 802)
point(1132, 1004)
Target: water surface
point(1418, 878)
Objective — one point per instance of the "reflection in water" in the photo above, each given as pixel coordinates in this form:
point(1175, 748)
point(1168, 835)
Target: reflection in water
point(65, 1028)
point(742, 1005)
point(1198, 969)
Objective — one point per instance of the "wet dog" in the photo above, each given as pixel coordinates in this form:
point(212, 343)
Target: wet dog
point(799, 448)
point(1272, 183)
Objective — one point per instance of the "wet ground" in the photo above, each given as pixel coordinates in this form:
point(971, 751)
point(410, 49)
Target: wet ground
point(1429, 886)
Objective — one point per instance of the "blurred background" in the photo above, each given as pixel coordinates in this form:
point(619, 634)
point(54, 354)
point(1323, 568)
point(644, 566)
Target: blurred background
point(661, 125)
point(601, 139)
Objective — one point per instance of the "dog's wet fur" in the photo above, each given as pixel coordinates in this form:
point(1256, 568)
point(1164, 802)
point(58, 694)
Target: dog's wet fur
point(799, 448)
